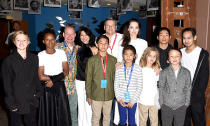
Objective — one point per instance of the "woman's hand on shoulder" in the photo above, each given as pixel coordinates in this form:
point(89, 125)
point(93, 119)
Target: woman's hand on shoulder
point(94, 50)
point(118, 65)
point(157, 70)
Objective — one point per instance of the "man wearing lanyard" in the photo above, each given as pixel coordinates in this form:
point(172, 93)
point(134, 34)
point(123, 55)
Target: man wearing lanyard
point(110, 26)
point(70, 50)
point(99, 82)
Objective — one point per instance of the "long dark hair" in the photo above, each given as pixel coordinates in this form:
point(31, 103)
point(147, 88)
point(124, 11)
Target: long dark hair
point(89, 33)
point(126, 34)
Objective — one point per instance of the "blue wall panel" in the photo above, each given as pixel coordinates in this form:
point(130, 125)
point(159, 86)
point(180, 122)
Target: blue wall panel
point(38, 23)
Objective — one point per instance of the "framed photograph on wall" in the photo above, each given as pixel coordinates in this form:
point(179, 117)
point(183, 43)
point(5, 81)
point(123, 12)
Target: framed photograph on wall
point(34, 7)
point(21, 4)
point(75, 5)
point(93, 3)
point(6, 5)
point(119, 7)
point(152, 5)
point(143, 9)
point(113, 14)
point(127, 5)
point(52, 3)
point(4, 13)
point(75, 14)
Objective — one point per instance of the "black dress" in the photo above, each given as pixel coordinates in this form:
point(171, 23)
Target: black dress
point(54, 106)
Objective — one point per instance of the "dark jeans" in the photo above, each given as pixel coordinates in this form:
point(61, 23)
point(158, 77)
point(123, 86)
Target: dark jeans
point(196, 111)
point(29, 118)
point(169, 114)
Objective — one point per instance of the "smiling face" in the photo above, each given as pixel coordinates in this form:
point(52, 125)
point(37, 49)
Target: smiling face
point(84, 37)
point(49, 41)
point(21, 41)
point(189, 39)
point(164, 37)
point(69, 35)
point(110, 27)
point(129, 56)
point(174, 57)
point(133, 28)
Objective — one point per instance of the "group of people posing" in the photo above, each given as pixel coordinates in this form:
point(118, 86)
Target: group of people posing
point(74, 82)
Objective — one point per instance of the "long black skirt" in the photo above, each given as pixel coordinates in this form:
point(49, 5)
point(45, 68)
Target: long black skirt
point(54, 106)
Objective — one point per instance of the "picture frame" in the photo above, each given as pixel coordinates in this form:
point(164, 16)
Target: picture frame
point(34, 7)
point(75, 5)
point(152, 5)
point(113, 14)
point(127, 5)
point(75, 14)
point(6, 5)
point(93, 3)
point(52, 3)
point(21, 4)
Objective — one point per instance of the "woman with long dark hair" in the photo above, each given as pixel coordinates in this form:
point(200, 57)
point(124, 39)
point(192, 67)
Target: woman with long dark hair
point(86, 40)
point(131, 34)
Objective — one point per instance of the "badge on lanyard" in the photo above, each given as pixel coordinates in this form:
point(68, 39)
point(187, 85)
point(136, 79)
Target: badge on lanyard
point(127, 96)
point(127, 93)
point(104, 82)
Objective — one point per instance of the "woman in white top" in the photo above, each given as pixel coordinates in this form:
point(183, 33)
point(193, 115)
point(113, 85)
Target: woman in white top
point(130, 37)
point(53, 67)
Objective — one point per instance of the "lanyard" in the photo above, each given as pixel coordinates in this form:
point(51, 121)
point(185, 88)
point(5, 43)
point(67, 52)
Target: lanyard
point(130, 74)
point(104, 68)
point(111, 48)
point(70, 55)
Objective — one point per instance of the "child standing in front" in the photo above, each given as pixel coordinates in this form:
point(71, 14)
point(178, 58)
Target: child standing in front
point(99, 82)
point(175, 90)
point(128, 86)
point(148, 102)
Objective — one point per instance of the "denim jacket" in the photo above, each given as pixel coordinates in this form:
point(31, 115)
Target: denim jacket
point(175, 92)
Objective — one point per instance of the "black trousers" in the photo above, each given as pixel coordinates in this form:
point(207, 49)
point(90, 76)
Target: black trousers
point(196, 111)
point(29, 118)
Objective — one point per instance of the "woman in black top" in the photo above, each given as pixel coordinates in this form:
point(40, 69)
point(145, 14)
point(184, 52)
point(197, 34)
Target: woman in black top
point(21, 82)
point(86, 40)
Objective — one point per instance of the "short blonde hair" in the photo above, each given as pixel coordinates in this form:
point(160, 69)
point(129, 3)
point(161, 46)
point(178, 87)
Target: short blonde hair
point(18, 33)
point(143, 60)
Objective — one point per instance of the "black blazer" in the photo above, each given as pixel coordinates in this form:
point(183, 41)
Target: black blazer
point(21, 82)
point(201, 78)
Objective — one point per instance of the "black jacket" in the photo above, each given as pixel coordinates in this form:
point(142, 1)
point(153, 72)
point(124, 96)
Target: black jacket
point(21, 83)
point(200, 79)
point(83, 54)
point(163, 54)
